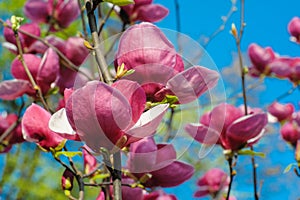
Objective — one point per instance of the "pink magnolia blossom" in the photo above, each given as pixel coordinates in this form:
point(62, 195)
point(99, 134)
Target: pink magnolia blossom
point(294, 28)
point(158, 160)
point(44, 72)
point(15, 136)
point(281, 111)
point(105, 115)
point(26, 41)
point(143, 10)
point(286, 67)
point(290, 132)
point(60, 14)
point(159, 195)
point(158, 67)
point(260, 59)
point(227, 126)
point(212, 183)
point(35, 128)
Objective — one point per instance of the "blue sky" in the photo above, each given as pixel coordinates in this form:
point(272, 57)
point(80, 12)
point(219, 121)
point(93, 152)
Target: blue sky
point(266, 24)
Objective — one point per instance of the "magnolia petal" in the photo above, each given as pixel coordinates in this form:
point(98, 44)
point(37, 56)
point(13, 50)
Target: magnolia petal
point(59, 123)
point(244, 129)
point(147, 124)
point(67, 11)
point(35, 128)
point(171, 175)
point(98, 113)
point(36, 10)
point(145, 44)
point(202, 133)
point(48, 70)
point(75, 50)
point(135, 95)
point(151, 13)
point(12, 89)
point(32, 62)
point(191, 83)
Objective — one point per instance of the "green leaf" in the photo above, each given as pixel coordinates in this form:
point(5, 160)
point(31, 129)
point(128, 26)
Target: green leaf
point(248, 152)
point(100, 176)
point(120, 2)
point(68, 154)
point(289, 167)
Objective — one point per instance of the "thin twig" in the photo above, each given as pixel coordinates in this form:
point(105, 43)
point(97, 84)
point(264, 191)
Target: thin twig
point(85, 33)
point(102, 65)
point(169, 128)
point(231, 177)
point(104, 184)
point(117, 176)
point(105, 20)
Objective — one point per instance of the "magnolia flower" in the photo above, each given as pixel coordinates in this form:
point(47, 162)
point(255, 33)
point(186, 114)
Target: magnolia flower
point(158, 67)
point(15, 136)
point(260, 58)
point(59, 13)
point(290, 132)
point(108, 116)
point(227, 126)
point(212, 183)
point(44, 72)
point(159, 161)
point(294, 28)
point(143, 10)
point(281, 111)
point(35, 129)
point(286, 67)
point(26, 41)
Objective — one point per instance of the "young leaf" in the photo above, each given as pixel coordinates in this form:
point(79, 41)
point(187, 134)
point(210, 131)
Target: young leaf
point(68, 154)
point(120, 2)
point(289, 167)
point(249, 152)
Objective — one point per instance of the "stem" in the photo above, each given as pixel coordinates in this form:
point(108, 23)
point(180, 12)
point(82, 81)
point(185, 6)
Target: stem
point(231, 177)
point(83, 21)
point(102, 66)
point(105, 19)
point(117, 176)
point(169, 129)
point(178, 24)
point(238, 44)
point(31, 79)
point(69, 63)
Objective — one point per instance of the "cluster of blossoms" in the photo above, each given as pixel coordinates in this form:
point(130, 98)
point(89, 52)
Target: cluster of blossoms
point(265, 62)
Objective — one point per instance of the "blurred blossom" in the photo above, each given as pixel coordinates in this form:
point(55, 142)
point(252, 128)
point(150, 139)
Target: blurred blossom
point(58, 13)
point(294, 28)
point(213, 183)
point(281, 111)
point(143, 10)
point(290, 132)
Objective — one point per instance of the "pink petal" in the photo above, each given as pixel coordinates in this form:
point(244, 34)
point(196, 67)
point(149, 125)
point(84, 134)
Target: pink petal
point(135, 95)
point(244, 129)
point(75, 50)
point(12, 89)
point(202, 133)
point(147, 124)
point(294, 28)
point(32, 62)
point(191, 83)
point(36, 10)
point(260, 57)
point(151, 13)
point(35, 128)
point(48, 70)
point(171, 175)
point(98, 112)
point(280, 111)
point(142, 2)
point(201, 193)
point(67, 11)
point(290, 132)
point(145, 44)
point(281, 67)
